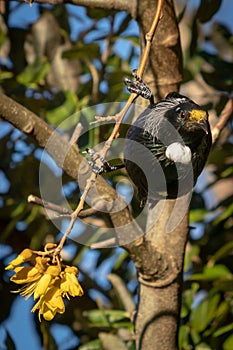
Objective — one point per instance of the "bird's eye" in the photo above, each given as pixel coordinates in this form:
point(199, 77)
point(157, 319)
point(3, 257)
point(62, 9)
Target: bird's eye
point(182, 114)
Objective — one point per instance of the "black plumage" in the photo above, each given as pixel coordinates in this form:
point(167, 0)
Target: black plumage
point(167, 147)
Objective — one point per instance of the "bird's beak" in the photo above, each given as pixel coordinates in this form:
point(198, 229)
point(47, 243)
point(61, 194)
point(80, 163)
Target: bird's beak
point(203, 125)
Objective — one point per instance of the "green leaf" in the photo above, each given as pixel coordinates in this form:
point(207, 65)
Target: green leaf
point(195, 336)
point(184, 332)
point(5, 75)
point(35, 72)
point(192, 251)
point(223, 330)
point(222, 310)
point(127, 325)
point(105, 318)
point(184, 311)
point(66, 109)
point(224, 251)
point(212, 273)
point(227, 172)
point(220, 316)
point(198, 215)
point(189, 295)
point(228, 344)
point(227, 213)
point(187, 300)
point(204, 313)
point(203, 346)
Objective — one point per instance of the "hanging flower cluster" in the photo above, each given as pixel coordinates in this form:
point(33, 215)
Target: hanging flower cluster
point(47, 279)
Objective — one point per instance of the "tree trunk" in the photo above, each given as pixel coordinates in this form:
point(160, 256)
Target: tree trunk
point(159, 261)
point(165, 69)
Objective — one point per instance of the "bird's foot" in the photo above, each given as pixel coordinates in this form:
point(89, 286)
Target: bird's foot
point(103, 166)
point(139, 87)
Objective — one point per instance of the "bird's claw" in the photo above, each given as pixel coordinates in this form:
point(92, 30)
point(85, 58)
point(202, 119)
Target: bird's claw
point(104, 166)
point(139, 87)
point(97, 169)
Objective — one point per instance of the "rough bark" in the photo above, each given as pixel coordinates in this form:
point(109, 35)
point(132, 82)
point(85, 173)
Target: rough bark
point(160, 270)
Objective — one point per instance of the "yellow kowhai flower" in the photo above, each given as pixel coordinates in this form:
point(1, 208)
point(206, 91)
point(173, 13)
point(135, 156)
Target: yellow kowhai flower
point(69, 283)
point(24, 256)
point(26, 274)
point(30, 276)
point(49, 282)
point(50, 303)
point(46, 280)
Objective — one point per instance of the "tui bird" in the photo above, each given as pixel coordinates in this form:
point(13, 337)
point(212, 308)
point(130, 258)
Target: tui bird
point(167, 146)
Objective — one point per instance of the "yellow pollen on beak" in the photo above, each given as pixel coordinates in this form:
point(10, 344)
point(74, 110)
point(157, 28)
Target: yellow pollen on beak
point(197, 115)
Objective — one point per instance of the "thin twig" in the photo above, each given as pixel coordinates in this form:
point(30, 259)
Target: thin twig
point(108, 243)
point(76, 134)
point(223, 119)
point(74, 215)
point(99, 118)
point(51, 206)
point(61, 210)
point(149, 38)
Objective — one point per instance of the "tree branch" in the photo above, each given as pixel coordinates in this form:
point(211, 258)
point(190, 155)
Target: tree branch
point(120, 5)
point(69, 159)
point(61, 211)
point(31, 124)
point(223, 119)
